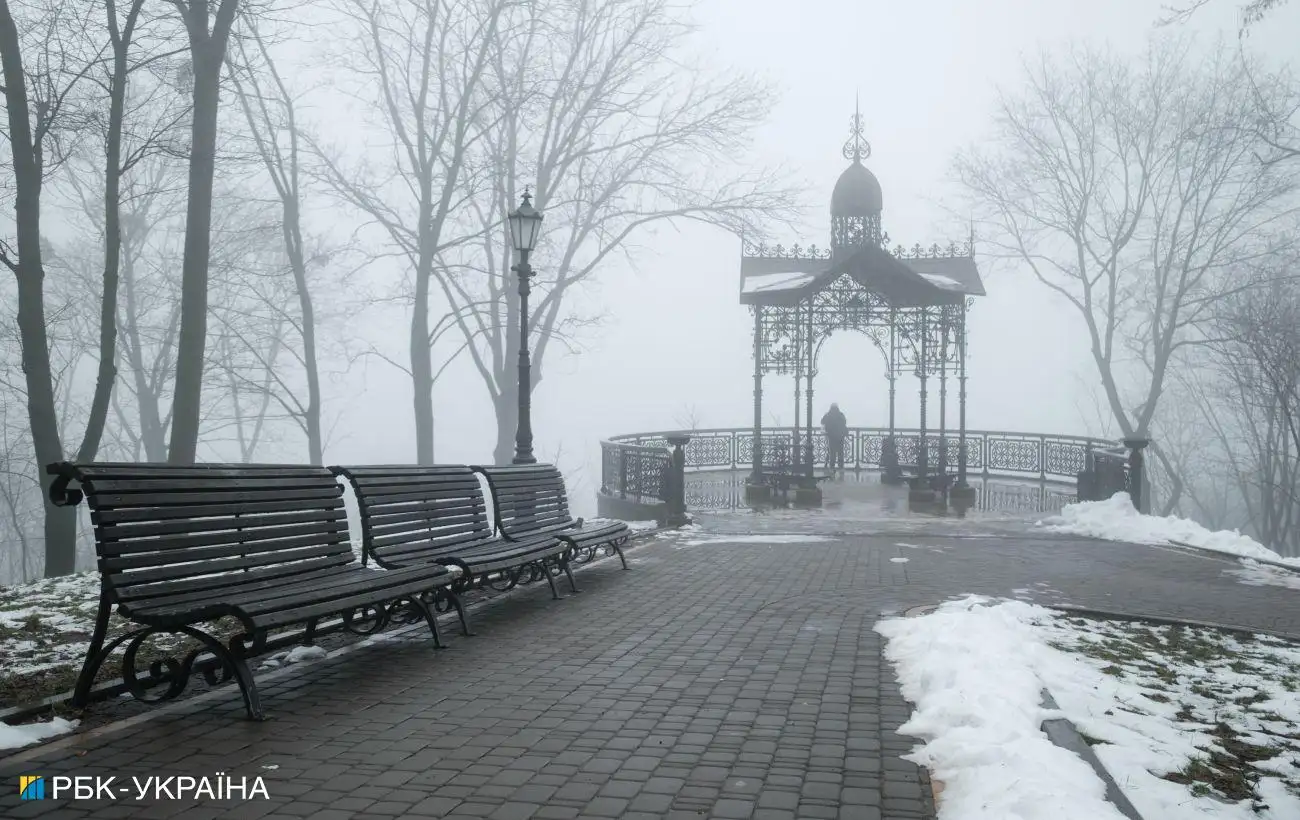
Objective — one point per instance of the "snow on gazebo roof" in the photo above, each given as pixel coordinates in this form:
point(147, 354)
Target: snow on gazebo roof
point(905, 278)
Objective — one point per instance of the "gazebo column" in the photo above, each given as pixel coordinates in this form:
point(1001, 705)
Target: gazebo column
point(921, 494)
point(889, 471)
point(796, 431)
point(808, 397)
point(943, 394)
point(756, 475)
point(963, 495)
point(808, 435)
point(922, 456)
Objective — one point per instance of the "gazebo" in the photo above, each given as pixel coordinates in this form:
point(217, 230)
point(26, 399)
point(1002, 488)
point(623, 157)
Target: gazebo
point(911, 303)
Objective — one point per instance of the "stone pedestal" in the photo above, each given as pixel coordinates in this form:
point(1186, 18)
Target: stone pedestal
point(757, 493)
point(921, 497)
point(962, 498)
point(808, 496)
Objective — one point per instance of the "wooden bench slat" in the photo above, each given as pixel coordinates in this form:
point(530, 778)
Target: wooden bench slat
point(233, 496)
point(250, 582)
point(339, 589)
point(216, 566)
point(178, 544)
point(216, 523)
point(132, 469)
point(444, 537)
point(413, 493)
point(196, 555)
point(167, 489)
point(433, 506)
point(384, 519)
point(124, 515)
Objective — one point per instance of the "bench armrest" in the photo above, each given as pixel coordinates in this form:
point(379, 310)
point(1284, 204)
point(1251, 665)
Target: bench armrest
point(61, 495)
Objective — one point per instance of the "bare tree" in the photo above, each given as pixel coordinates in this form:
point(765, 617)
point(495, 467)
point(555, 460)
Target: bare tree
point(1130, 191)
point(421, 67)
point(1249, 13)
point(208, 24)
point(1273, 124)
point(45, 64)
point(1259, 355)
point(598, 111)
point(273, 126)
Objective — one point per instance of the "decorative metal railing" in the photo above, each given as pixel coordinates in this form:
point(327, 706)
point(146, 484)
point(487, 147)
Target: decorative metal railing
point(634, 471)
point(988, 453)
point(1107, 473)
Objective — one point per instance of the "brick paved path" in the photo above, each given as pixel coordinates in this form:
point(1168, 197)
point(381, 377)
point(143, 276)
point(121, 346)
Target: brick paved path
point(713, 680)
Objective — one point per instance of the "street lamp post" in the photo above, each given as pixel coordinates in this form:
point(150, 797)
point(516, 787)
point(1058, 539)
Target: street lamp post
point(525, 226)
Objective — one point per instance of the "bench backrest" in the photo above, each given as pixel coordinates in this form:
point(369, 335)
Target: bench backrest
point(163, 530)
point(409, 513)
point(528, 498)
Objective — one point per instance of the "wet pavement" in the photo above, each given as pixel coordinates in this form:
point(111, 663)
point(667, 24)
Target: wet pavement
point(716, 678)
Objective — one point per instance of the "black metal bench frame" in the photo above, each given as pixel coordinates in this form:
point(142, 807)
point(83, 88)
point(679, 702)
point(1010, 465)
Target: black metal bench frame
point(530, 500)
point(265, 545)
point(412, 515)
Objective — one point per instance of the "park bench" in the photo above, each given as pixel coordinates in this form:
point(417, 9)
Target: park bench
point(180, 548)
point(529, 500)
point(414, 515)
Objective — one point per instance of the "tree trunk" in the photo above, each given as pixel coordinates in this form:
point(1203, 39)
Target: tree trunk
point(293, 244)
point(506, 404)
point(107, 374)
point(206, 54)
point(152, 434)
point(60, 524)
point(422, 372)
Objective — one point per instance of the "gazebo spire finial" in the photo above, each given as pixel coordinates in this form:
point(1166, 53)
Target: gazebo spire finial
point(857, 148)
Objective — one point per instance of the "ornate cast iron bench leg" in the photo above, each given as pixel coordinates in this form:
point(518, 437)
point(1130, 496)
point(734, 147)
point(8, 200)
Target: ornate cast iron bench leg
point(563, 560)
point(95, 654)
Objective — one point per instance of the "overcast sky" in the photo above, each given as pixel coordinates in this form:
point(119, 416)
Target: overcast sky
point(676, 342)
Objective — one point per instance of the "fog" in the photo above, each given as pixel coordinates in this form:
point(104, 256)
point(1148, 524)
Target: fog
point(659, 340)
point(676, 343)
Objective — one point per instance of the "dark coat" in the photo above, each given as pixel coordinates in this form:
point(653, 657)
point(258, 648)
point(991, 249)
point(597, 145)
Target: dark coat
point(835, 424)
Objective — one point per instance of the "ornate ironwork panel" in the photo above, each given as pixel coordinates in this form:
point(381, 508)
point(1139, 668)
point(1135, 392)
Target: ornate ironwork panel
point(1014, 454)
point(869, 446)
point(711, 450)
point(633, 471)
point(855, 231)
point(795, 252)
point(1009, 497)
point(1065, 458)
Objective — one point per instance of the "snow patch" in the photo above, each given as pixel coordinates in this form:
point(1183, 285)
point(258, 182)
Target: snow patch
point(974, 669)
point(296, 655)
point(1115, 519)
point(15, 737)
point(758, 539)
point(1258, 575)
point(968, 667)
point(899, 560)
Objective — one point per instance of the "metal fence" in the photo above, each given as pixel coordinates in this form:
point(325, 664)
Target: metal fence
point(634, 471)
point(988, 453)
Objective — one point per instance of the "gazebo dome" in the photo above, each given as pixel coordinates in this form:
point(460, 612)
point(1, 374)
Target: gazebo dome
point(856, 193)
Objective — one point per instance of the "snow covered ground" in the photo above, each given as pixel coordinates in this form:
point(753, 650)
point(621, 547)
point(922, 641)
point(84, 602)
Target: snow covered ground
point(15, 737)
point(1116, 520)
point(1260, 575)
point(1191, 723)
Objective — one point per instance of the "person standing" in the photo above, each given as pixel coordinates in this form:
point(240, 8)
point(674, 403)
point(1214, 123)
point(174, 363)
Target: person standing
point(837, 428)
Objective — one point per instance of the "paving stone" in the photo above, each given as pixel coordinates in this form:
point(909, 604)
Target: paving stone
point(611, 696)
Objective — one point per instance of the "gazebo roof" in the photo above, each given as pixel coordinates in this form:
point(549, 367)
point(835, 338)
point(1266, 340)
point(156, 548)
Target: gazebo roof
point(917, 280)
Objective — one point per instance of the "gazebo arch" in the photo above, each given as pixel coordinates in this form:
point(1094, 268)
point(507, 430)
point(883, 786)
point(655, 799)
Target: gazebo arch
point(912, 303)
